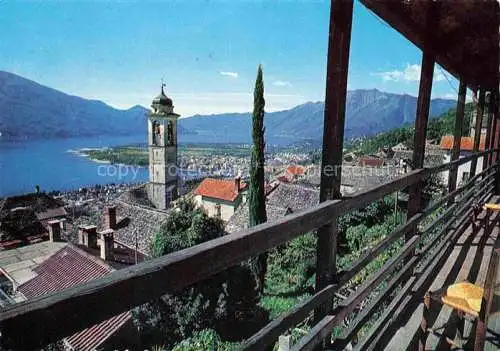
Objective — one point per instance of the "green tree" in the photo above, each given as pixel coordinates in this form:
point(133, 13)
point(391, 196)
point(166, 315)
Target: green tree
point(206, 339)
point(257, 197)
point(226, 302)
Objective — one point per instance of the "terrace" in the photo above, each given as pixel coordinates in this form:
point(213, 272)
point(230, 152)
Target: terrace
point(444, 242)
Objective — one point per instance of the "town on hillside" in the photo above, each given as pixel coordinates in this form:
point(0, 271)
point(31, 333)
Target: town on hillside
point(272, 198)
point(80, 235)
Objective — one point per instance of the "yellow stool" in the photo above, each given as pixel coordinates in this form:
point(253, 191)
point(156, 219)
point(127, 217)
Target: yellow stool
point(467, 299)
point(463, 297)
point(492, 207)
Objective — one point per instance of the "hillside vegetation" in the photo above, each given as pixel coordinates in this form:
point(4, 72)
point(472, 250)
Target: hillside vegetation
point(437, 127)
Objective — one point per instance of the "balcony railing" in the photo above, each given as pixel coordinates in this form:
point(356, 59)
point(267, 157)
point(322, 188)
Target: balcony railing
point(54, 316)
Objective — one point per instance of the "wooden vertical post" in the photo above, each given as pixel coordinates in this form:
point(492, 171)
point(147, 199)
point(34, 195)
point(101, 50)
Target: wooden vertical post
point(489, 133)
point(489, 291)
point(457, 136)
point(496, 138)
point(494, 135)
point(477, 132)
point(423, 103)
point(424, 323)
point(284, 342)
point(333, 138)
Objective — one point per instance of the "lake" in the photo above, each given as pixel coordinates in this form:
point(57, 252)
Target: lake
point(49, 164)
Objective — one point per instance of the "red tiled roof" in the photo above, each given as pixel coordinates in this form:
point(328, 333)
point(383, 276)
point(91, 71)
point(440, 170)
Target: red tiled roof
point(66, 268)
point(69, 267)
point(295, 170)
point(218, 189)
point(89, 339)
point(283, 179)
point(466, 143)
point(10, 244)
point(371, 161)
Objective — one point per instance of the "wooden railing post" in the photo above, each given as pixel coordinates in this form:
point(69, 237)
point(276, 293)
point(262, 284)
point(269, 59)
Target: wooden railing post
point(477, 132)
point(457, 136)
point(333, 137)
point(489, 133)
point(423, 103)
point(422, 114)
point(495, 136)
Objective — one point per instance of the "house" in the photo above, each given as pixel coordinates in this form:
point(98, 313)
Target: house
point(466, 147)
point(466, 143)
point(370, 161)
point(240, 219)
point(385, 152)
point(50, 266)
point(294, 172)
point(220, 197)
point(286, 198)
point(399, 147)
point(282, 179)
point(24, 219)
point(350, 157)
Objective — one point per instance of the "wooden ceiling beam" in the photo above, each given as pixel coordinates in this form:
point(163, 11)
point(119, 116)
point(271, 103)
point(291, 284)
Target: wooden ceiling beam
point(451, 51)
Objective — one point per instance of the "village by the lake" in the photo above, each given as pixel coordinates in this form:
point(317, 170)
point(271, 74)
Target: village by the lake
point(246, 176)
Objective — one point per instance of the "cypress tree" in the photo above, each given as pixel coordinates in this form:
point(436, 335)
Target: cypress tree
point(257, 197)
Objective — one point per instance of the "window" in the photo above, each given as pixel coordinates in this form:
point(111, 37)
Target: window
point(218, 212)
point(156, 133)
point(465, 177)
point(169, 196)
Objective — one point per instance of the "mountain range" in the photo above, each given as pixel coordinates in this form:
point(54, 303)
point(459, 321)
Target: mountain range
point(29, 110)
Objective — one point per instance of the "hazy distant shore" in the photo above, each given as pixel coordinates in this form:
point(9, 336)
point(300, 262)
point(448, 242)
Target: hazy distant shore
point(87, 152)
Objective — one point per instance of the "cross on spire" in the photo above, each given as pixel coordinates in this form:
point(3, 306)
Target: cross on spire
point(163, 85)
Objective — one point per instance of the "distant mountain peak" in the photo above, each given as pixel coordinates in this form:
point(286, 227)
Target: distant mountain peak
point(138, 108)
point(24, 103)
point(29, 110)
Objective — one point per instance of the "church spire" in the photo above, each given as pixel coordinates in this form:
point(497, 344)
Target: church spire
point(163, 85)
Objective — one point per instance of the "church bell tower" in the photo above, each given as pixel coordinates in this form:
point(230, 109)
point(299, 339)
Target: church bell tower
point(162, 145)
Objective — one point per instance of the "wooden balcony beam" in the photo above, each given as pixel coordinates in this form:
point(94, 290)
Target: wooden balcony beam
point(333, 139)
point(457, 136)
point(423, 103)
point(489, 131)
point(477, 132)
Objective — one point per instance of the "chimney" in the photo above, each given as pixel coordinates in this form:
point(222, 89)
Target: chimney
point(110, 217)
point(107, 244)
point(81, 239)
point(237, 184)
point(55, 230)
point(88, 236)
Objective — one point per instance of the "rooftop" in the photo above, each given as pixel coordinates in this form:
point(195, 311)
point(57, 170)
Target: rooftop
point(62, 269)
point(240, 219)
point(19, 264)
point(466, 143)
point(25, 215)
point(221, 189)
point(47, 267)
point(293, 196)
point(137, 222)
point(295, 170)
point(39, 202)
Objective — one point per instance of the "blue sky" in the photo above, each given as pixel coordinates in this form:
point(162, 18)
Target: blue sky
point(207, 51)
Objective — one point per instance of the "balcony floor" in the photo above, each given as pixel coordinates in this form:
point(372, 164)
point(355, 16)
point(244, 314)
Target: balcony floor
point(469, 261)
